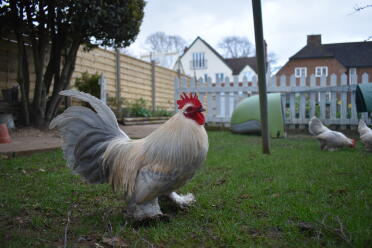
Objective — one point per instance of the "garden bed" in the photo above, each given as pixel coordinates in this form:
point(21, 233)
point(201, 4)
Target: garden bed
point(143, 120)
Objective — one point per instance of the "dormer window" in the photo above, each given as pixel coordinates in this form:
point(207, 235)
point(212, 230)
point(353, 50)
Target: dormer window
point(300, 72)
point(321, 71)
point(198, 61)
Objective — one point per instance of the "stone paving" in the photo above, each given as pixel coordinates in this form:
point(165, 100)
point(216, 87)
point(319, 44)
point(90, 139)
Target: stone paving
point(32, 141)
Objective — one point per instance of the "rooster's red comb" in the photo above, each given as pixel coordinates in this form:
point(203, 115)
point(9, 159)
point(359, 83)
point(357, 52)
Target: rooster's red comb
point(193, 99)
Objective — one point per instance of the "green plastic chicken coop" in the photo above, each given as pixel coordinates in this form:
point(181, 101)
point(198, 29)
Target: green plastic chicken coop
point(246, 116)
point(363, 97)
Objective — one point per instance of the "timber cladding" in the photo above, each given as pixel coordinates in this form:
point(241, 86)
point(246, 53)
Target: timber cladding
point(135, 75)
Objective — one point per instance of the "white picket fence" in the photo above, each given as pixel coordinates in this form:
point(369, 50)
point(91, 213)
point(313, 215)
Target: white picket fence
point(331, 98)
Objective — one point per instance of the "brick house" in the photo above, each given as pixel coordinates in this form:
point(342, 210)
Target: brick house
point(352, 58)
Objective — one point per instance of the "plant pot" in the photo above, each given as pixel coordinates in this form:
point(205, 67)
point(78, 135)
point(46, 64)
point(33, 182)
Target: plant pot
point(4, 134)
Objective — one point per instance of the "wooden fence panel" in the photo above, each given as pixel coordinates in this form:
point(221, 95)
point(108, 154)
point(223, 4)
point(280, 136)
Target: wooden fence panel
point(135, 74)
point(332, 99)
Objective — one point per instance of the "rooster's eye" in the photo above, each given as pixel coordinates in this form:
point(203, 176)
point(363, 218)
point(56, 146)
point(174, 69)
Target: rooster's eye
point(188, 109)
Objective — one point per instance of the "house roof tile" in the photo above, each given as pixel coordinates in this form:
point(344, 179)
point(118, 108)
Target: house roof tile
point(238, 64)
point(351, 54)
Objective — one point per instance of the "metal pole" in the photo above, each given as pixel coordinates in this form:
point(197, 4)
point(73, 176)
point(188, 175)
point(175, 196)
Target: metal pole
point(261, 64)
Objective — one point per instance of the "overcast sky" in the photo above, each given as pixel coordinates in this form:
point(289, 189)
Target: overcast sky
point(286, 22)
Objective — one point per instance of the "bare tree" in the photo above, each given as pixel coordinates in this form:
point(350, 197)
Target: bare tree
point(160, 42)
point(157, 42)
point(360, 8)
point(236, 47)
point(272, 58)
point(177, 43)
point(165, 48)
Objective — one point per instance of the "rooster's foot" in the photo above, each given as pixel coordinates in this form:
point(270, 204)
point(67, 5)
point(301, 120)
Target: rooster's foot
point(148, 221)
point(148, 210)
point(155, 218)
point(331, 149)
point(182, 201)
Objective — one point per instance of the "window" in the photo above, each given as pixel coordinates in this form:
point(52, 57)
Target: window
point(352, 75)
point(205, 77)
point(198, 61)
point(300, 72)
point(219, 77)
point(321, 71)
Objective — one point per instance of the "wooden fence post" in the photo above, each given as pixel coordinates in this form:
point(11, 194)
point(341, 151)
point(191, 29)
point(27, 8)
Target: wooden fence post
point(102, 84)
point(117, 83)
point(153, 86)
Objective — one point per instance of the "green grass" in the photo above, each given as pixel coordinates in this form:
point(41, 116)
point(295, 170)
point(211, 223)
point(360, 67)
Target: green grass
point(296, 197)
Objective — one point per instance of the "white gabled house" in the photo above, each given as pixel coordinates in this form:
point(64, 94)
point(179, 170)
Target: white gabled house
point(201, 60)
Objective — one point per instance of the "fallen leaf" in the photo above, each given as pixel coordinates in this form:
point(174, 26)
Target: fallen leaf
point(220, 181)
point(81, 239)
point(305, 226)
point(260, 213)
point(114, 241)
point(269, 179)
point(275, 195)
point(341, 191)
point(42, 170)
point(245, 196)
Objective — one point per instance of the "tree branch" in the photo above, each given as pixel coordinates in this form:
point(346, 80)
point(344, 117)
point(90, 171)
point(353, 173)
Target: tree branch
point(22, 72)
point(357, 8)
point(67, 70)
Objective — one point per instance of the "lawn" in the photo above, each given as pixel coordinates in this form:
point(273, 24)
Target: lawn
point(296, 197)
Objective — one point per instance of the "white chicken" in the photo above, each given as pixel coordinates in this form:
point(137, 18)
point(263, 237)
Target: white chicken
point(144, 169)
point(365, 135)
point(329, 140)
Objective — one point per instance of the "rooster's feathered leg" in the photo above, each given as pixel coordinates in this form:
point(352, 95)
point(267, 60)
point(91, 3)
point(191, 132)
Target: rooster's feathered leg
point(323, 145)
point(368, 147)
point(144, 202)
point(182, 201)
point(150, 209)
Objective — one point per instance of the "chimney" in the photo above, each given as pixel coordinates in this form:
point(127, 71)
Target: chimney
point(314, 39)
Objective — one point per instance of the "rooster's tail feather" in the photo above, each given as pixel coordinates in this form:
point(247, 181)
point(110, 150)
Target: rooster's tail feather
point(86, 135)
point(316, 127)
